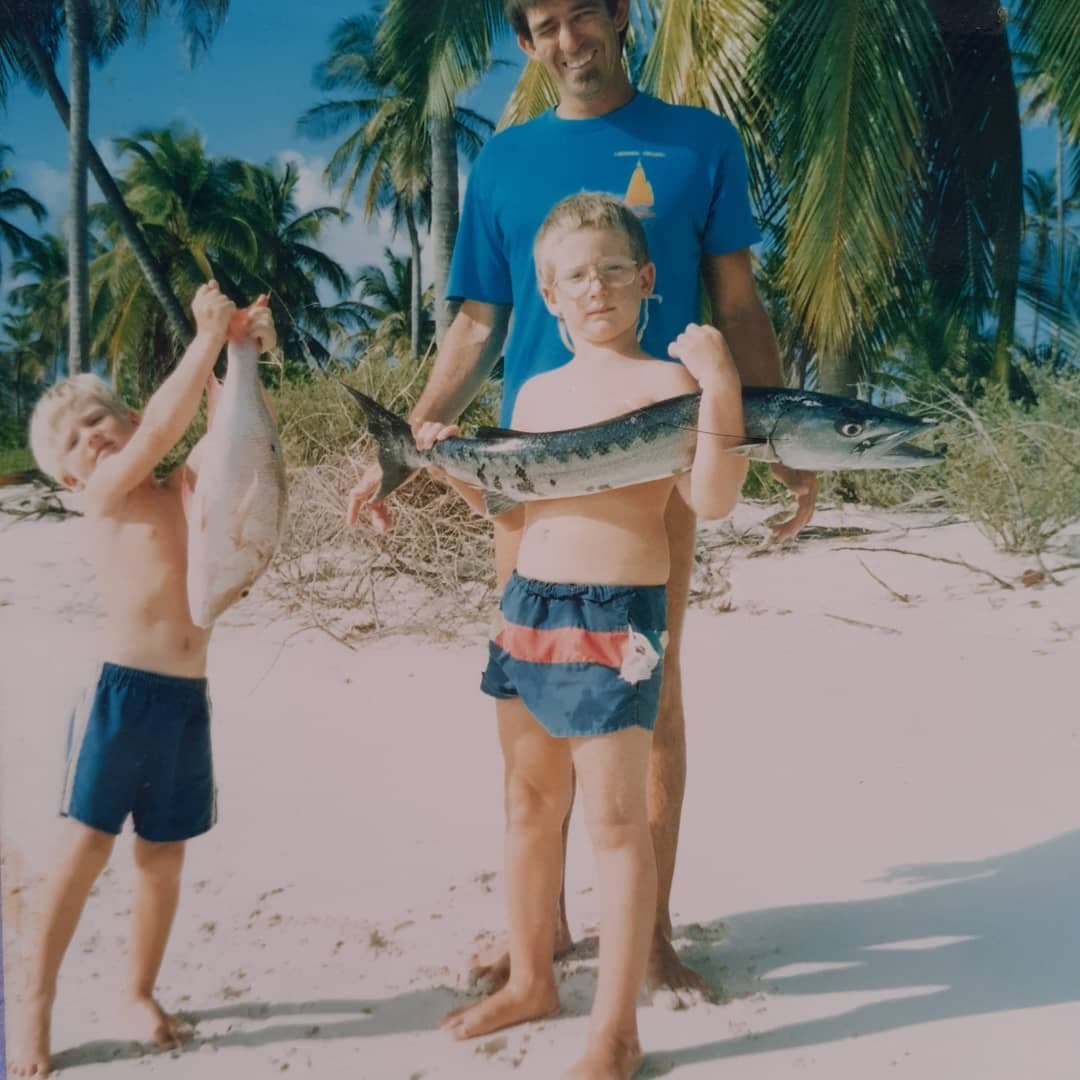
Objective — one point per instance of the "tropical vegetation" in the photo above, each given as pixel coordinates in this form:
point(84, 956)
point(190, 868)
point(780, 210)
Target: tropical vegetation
point(910, 248)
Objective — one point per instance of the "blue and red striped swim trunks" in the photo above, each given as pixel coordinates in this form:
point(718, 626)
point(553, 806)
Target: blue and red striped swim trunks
point(584, 659)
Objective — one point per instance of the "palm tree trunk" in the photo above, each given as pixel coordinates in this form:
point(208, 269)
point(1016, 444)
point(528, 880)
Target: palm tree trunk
point(838, 374)
point(1060, 165)
point(78, 32)
point(18, 389)
point(444, 213)
point(417, 289)
point(155, 279)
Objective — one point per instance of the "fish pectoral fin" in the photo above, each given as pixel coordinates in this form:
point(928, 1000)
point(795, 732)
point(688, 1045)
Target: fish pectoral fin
point(496, 504)
point(240, 514)
point(756, 449)
point(496, 433)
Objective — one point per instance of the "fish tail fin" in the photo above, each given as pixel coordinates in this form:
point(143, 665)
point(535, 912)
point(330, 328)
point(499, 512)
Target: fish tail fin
point(394, 440)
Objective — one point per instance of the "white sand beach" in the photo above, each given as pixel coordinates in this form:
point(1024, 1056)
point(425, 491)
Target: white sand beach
point(879, 864)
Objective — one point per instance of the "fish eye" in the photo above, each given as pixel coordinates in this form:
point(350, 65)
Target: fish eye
point(850, 428)
point(244, 592)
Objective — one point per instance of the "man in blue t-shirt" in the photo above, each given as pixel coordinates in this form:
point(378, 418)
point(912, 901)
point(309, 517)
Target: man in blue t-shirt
point(683, 171)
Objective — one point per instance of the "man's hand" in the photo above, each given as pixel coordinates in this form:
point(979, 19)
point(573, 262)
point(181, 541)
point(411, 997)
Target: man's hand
point(804, 486)
point(426, 434)
point(360, 499)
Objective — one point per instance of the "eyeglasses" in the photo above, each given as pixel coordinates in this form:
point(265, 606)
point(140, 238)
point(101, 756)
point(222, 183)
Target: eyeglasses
point(612, 272)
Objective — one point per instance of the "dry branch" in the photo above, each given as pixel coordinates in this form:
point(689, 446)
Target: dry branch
point(933, 558)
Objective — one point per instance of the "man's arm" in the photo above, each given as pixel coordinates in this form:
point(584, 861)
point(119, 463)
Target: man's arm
point(468, 353)
point(738, 313)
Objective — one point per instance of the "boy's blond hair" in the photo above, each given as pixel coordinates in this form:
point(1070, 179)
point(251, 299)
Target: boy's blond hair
point(65, 396)
point(589, 210)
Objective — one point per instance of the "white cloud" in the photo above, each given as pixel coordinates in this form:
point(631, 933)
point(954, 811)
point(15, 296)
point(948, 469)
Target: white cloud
point(356, 242)
point(48, 186)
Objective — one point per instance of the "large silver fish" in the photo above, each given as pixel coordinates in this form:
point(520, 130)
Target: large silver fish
point(801, 429)
point(237, 512)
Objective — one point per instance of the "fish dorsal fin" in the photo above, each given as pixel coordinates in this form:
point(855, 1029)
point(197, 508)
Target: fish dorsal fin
point(497, 433)
point(497, 504)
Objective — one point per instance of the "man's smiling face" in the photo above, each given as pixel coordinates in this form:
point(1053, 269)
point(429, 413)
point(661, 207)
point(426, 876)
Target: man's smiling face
point(577, 41)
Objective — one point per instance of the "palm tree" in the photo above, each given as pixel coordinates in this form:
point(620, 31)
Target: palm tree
point(77, 18)
point(285, 263)
point(12, 200)
point(1040, 192)
point(1041, 93)
point(41, 298)
point(206, 217)
point(389, 140)
point(384, 304)
point(30, 32)
point(181, 201)
point(383, 145)
point(24, 362)
point(432, 51)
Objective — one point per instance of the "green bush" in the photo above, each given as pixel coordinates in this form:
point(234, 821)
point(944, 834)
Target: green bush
point(317, 420)
point(16, 459)
point(1014, 467)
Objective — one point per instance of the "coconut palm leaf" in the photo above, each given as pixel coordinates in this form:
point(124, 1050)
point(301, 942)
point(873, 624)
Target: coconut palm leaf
point(432, 50)
point(845, 84)
point(534, 92)
point(1049, 29)
point(701, 54)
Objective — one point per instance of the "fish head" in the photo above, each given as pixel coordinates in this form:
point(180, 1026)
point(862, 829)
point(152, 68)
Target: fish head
point(820, 432)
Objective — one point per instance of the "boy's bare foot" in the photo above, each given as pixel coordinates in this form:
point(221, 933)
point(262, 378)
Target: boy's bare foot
point(148, 1022)
point(489, 967)
point(674, 982)
point(31, 1056)
point(608, 1057)
point(506, 1007)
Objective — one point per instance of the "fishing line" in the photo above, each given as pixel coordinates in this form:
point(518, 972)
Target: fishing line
point(756, 440)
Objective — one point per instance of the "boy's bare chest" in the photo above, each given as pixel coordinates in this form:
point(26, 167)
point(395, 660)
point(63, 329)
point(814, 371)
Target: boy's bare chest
point(579, 402)
point(149, 536)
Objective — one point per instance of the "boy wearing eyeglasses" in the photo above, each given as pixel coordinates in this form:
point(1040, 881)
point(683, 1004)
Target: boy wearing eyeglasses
point(577, 652)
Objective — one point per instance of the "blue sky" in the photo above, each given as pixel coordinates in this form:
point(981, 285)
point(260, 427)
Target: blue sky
point(244, 96)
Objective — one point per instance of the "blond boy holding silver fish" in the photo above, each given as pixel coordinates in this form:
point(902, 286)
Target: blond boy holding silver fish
point(576, 657)
point(139, 741)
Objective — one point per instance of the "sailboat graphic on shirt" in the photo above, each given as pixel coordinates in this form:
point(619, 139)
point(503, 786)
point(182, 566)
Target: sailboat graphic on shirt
point(639, 195)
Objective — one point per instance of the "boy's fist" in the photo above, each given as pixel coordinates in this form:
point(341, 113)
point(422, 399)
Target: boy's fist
point(705, 354)
point(255, 322)
point(212, 311)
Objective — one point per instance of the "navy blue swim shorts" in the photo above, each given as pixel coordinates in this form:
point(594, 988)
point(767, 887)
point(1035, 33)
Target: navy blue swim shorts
point(584, 659)
point(139, 744)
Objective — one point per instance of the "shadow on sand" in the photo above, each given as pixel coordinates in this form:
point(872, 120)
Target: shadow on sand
point(416, 1011)
point(967, 939)
point(977, 937)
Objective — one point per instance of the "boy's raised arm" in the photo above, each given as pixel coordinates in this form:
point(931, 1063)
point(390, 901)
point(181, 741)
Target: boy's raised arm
point(172, 407)
point(711, 487)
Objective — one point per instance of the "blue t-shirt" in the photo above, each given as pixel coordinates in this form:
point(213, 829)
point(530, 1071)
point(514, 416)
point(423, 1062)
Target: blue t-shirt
point(681, 169)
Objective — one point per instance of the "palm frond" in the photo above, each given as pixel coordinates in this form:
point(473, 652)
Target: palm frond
point(534, 93)
point(1049, 29)
point(845, 96)
point(432, 50)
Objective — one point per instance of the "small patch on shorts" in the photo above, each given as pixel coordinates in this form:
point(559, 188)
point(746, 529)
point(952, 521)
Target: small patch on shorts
point(640, 655)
